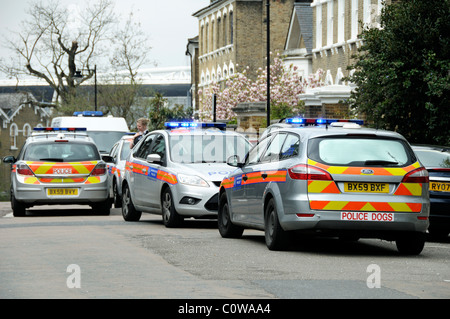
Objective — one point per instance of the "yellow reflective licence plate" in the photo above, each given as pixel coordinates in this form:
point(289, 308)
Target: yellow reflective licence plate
point(439, 187)
point(62, 191)
point(366, 187)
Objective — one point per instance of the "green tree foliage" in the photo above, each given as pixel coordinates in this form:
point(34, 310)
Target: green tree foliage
point(159, 113)
point(402, 71)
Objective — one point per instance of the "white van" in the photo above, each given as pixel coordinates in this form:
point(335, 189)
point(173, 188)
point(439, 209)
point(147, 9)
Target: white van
point(104, 130)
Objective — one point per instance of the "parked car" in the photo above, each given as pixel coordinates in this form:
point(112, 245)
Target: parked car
point(58, 166)
point(176, 172)
point(116, 168)
point(339, 179)
point(436, 159)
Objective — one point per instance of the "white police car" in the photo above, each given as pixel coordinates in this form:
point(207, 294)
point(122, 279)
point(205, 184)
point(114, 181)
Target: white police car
point(177, 172)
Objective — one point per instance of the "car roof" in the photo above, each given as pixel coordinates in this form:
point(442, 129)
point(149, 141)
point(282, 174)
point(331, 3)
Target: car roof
point(437, 148)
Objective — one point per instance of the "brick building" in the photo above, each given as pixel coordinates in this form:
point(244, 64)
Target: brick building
point(232, 36)
point(19, 114)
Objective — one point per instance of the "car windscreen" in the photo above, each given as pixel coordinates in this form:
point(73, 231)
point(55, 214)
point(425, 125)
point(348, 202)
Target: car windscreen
point(105, 139)
point(214, 148)
point(360, 151)
point(61, 152)
point(434, 158)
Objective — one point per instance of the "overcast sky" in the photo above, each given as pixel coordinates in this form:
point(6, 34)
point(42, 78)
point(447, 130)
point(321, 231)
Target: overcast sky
point(169, 23)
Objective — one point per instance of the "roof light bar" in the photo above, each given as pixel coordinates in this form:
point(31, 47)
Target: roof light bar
point(59, 129)
point(319, 121)
point(88, 113)
point(174, 125)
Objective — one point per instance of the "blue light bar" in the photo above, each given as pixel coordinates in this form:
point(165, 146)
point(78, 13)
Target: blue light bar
point(59, 129)
point(320, 121)
point(88, 113)
point(192, 125)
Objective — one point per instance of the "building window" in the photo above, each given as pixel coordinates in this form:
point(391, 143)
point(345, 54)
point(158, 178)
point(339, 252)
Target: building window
point(354, 30)
point(13, 133)
point(318, 26)
point(231, 27)
point(341, 21)
point(225, 30)
point(330, 24)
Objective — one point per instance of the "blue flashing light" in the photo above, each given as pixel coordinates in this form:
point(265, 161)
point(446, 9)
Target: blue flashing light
point(59, 129)
point(192, 125)
point(88, 113)
point(320, 121)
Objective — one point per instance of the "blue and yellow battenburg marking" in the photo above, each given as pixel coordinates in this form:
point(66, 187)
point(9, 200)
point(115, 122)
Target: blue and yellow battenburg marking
point(151, 172)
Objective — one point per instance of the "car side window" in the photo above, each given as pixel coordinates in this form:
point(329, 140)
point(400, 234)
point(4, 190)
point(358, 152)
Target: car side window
point(272, 153)
point(257, 151)
point(113, 152)
point(158, 147)
point(144, 149)
point(291, 147)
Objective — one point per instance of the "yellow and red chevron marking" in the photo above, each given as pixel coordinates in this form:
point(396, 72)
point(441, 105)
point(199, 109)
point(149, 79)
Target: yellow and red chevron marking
point(346, 170)
point(227, 182)
point(272, 176)
point(409, 189)
point(366, 206)
point(44, 168)
point(323, 187)
point(167, 177)
point(31, 180)
point(62, 180)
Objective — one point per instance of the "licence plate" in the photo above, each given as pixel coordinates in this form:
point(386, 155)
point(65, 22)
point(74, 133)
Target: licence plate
point(367, 216)
point(62, 191)
point(366, 187)
point(439, 187)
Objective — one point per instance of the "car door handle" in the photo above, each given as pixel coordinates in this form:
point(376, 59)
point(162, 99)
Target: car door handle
point(244, 178)
point(264, 175)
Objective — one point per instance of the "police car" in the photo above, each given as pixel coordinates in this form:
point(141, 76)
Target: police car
point(335, 179)
point(58, 166)
point(116, 168)
point(176, 172)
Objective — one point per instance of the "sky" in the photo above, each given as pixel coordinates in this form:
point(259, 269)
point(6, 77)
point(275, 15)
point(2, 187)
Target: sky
point(157, 17)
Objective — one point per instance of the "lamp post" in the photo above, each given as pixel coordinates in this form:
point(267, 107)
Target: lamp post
point(268, 63)
point(79, 77)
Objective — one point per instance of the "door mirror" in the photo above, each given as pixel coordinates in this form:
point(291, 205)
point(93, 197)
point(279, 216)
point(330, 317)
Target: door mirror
point(235, 161)
point(9, 159)
point(154, 158)
point(108, 159)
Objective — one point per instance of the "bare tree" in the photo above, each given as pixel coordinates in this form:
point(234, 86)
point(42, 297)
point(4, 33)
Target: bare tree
point(52, 45)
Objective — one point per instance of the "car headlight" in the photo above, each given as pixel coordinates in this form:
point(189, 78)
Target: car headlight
point(192, 180)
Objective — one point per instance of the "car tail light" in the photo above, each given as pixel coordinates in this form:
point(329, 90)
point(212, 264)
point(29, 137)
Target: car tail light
point(99, 169)
point(24, 169)
point(308, 172)
point(419, 175)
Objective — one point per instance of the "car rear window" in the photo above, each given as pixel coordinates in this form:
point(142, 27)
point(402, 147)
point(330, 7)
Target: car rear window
point(360, 151)
point(61, 152)
point(433, 158)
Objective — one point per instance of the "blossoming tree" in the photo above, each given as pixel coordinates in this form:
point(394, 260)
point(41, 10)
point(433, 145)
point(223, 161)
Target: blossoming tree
point(285, 82)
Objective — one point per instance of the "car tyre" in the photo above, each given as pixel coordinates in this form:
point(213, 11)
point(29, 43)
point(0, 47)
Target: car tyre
point(102, 208)
point(129, 212)
point(410, 243)
point(117, 197)
point(226, 228)
point(18, 208)
point(276, 237)
point(170, 216)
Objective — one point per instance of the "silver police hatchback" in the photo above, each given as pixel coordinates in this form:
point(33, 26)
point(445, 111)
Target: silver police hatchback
point(177, 172)
point(336, 179)
point(58, 166)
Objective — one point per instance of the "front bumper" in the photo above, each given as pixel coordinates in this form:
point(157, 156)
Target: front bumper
point(194, 201)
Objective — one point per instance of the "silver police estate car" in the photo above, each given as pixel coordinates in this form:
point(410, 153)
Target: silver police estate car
point(176, 172)
point(338, 179)
point(116, 168)
point(58, 166)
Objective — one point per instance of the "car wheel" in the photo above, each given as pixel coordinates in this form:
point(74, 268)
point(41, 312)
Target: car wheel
point(129, 212)
point(117, 197)
point(226, 228)
point(276, 237)
point(170, 216)
point(18, 208)
point(410, 243)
